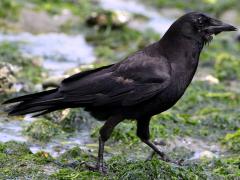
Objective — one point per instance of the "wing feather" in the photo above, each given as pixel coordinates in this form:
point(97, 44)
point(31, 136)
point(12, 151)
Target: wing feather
point(132, 81)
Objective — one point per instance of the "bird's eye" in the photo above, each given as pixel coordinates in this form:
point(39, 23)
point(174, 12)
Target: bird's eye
point(200, 21)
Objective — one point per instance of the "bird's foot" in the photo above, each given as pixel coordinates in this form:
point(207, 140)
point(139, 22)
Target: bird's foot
point(73, 164)
point(98, 168)
point(165, 158)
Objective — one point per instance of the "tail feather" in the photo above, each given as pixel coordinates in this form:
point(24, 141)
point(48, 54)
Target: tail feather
point(16, 112)
point(42, 102)
point(29, 96)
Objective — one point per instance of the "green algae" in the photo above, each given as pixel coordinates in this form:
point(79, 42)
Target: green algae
point(17, 161)
point(76, 154)
point(9, 9)
point(42, 130)
point(232, 141)
point(28, 165)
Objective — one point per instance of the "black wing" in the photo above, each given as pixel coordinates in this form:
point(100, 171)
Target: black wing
point(127, 83)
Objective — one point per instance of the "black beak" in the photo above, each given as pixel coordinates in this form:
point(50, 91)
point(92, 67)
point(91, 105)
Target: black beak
point(216, 26)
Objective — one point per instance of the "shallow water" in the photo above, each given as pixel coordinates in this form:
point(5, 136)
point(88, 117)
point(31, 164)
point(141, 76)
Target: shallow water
point(12, 131)
point(59, 51)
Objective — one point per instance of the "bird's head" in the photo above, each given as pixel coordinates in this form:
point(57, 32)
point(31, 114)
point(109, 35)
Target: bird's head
point(201, 27)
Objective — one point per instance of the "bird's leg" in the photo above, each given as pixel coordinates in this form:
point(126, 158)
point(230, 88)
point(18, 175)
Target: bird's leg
point(100, 165)
point(156, 150)
point(105, 133)
point(143, 134)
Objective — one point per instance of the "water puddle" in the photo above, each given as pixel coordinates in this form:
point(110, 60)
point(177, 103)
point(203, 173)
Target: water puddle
point(12, 131)
point(59, 51)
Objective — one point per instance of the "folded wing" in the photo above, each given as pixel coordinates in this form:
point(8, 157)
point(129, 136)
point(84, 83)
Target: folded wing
point(132, 81)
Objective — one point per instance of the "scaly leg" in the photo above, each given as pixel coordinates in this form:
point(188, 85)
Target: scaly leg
point(143, 134)
point(105, 133)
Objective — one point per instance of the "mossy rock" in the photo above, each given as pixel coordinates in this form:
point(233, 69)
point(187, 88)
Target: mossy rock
point(232, 141)
point(76, 154)
point(14, 148)
point(42, 130)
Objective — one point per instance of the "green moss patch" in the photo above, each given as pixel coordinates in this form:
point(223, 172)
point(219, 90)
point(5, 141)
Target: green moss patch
point(17, 162)
point(43, 130)
point(232, 141)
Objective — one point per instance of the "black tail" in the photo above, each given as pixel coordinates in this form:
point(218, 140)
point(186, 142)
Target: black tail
point(42, 102)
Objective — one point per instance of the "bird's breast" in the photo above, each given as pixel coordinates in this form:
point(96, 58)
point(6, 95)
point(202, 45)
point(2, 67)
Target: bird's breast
point(180, 80)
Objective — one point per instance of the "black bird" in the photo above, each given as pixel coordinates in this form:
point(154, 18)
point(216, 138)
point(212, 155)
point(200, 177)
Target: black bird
point(146, 83)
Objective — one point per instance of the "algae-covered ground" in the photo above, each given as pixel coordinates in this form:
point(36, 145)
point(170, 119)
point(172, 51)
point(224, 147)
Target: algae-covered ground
point(202, 129)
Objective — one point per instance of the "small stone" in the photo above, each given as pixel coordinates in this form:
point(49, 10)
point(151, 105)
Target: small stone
point(204, 155)
point(53, 81)
point(108, 18)
point(7, 76)
point(210, 79)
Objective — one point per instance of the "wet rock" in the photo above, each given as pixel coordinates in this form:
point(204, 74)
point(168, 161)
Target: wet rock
point(210, 79)
point(7, 76)
point(108, 19)
point(58, 116)
point(42, 130)
point(53, 81)
point(180, 153)
point(204, 155)
point(71, 119)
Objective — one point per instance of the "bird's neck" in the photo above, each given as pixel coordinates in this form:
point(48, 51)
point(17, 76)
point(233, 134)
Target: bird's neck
point(180, 49)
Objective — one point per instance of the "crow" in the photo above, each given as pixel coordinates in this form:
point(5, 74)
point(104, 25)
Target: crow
point(144, 84)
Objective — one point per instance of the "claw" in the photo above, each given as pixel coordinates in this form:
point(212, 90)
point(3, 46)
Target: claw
point(98, 168)
point(166, 159)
